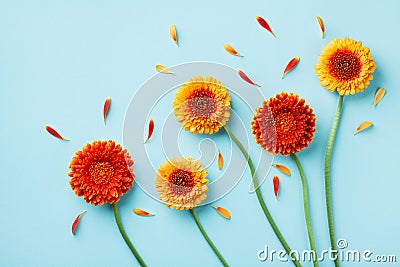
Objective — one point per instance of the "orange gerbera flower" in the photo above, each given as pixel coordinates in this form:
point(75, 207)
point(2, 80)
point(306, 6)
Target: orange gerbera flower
point(284, 124)
point(182, 183)
point(101, 172)
point(346, 66)
point(202, 105)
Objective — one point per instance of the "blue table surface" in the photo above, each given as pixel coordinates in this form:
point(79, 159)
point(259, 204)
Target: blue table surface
point(59, 60)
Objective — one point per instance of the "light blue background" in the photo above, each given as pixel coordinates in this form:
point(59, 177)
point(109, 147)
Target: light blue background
point(59, 60)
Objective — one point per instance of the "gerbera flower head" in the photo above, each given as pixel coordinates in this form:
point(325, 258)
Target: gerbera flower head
point(346, 66)
point(181, 183)
point(284, 124)
point(202, 105)
point(101, 172)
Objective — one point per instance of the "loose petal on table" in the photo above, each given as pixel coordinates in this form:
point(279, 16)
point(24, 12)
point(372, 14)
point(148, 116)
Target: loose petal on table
point(291, 65)
point(363, 126)
point(223, 212)
point(76, 221)
point(246, 78)
point(54, 133)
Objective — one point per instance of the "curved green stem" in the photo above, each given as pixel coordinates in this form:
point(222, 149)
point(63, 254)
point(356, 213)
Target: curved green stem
point(306, 209)
point(125, 236)
point(260, 197)
point(328, 194)
point(207, 238)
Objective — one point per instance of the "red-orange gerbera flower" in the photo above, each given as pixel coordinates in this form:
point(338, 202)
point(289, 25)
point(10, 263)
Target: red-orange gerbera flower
point(101, 172)
point(284, 124)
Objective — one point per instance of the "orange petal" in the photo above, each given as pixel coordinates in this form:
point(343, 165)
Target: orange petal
point(363, 126)
point(76, 221)
point(220, 160)
point(276, 186)
point(282, 168)
point(55, 133)
point(106, 108)
point(141, 212)
point(264, 24)
point(379, 94)
point(246, 78)
point(172, 32)
point(223, 212)
point(321, 24)
point(151, 129)
point(292, 63)
point(162, 69)
point(231, 50)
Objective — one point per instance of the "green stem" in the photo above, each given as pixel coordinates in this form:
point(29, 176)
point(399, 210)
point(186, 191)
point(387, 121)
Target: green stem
point(260, 197)
point(125, 236)
point(328, 194)
point(306, 209)
point(207, 238)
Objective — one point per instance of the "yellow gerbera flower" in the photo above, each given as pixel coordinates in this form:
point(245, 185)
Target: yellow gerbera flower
point(346, 66)
point(202, 105)
point(182, 183)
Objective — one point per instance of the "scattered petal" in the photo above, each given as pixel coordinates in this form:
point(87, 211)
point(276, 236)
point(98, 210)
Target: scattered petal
point(265, 25)
point(172, 32)
point(363, 126)
point(282, 168)
point(246, 78)
point(223, 212)
point(162, 69)
point(55, 133)
point(292, 63)
point(76, 221)
point(379, 94)
point(231, 50)
point(141, 212)
point(106, 108)
point(151, 129)
point(220, 160)
point(321, 24)
point(276, 186)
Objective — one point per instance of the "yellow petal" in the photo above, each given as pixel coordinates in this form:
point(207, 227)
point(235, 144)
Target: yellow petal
point(363, 126)
point(321, 24)
point(162, 69)
point(228, 48)
point(379, 94)
point(282, 168)
point(141, 212)
point(223, 212)
point(220, 160)
point(172, 32)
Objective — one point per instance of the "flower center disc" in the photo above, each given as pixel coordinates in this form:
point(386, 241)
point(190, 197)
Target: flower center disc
point(202, 104)
point(181, 182)
point(101, 172)
point(285, 123)
point(345, 65)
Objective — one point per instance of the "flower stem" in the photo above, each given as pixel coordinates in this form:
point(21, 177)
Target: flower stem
point(207, 238)
point(260, 197)
point(328, 194)
point(306, 209)
point(125, 236)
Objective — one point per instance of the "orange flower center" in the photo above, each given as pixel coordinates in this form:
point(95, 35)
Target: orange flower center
point(285, 123)
point(202, 104)
point(181, 182)
point(345, 65)
point(101, 172)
